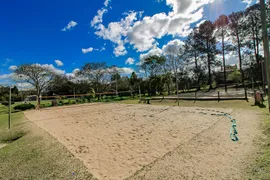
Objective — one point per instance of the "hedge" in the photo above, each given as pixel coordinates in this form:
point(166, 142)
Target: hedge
point(24, 107)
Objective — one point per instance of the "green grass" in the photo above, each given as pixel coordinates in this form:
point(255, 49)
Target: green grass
point(261, 169)
point(31, 153)
point(222, 104)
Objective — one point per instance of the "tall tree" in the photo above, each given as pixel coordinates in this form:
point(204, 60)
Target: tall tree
point(221, 24)
point(175, 53)
point(36, 75)
point(152, 66)
point(235, 26)
point(192, 46)
point(208, 46)
point(252, 29)
point(97, 75)
point(134, 81)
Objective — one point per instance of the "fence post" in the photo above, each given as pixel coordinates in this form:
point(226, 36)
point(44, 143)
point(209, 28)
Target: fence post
point(246, 94)
point(9, 108)
point(195, 95)
point(218, 97)
point(255, 99)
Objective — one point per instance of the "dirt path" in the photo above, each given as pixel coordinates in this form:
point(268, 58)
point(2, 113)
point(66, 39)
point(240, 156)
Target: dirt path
point(158, 142)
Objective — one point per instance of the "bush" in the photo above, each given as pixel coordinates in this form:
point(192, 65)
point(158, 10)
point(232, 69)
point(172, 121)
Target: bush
point(24, 107)
point(6, 103)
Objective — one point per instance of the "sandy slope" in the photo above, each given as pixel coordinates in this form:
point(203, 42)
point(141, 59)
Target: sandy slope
point(158, 142)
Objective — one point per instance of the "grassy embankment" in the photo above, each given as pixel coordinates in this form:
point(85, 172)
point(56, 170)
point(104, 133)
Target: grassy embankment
point(31, 153)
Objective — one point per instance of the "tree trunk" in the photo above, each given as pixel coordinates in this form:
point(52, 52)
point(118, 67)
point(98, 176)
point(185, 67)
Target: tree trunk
point(168, 88)
point(38, 100)
point(224, 64)
point(240, 58)
point(209, 68)
point(197, 71)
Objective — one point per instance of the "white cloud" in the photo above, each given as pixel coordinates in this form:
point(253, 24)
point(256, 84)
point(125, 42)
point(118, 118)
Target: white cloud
point(120, 50)
point(70, 25)
point(201, 22)
point(12, 78)
point(172, 46)
point(73, 73)
point(99, 17)
point(152, 52)
point(130, 61)
point(75, 70)
point(144, 33)
point(248, 2)
point(116, 32)
point(85, 51)
point(24, 86)
point(52, 68)
point(59, 63)
point(5, 76)
point(125, 70)
point(12, 68)
point(106, 3)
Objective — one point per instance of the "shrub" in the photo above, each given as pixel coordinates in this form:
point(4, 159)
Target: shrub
point(67, 102)
point(119, 98)
point(6, 103)
point(24, 107)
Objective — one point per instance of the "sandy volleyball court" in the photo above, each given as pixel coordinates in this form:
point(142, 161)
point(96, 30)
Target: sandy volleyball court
point(115, 140)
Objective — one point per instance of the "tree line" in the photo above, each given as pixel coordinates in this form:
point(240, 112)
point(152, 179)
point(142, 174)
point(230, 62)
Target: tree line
point(200, 61)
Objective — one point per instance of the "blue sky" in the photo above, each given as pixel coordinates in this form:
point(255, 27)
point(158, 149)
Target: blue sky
point(33, 31)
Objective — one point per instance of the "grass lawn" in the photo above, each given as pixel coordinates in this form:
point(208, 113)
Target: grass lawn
point(31, 153)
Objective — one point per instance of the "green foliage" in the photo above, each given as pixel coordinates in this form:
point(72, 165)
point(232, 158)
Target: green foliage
point(235, 76)
point(6, 103)
point(24, 107)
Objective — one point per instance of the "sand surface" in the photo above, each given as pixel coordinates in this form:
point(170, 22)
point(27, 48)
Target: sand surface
point(155, 142)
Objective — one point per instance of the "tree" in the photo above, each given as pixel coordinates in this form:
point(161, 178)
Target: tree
point(252, 28)
point(221, 25)
point(36, 75)
point(97, 74)
point(235, 26)
point(193, 52)
point(134, 81)
point(61, 85)
point(235, 76)
point(208, 46)
point(115, 77)
point(175, 54)
point(152, 66)
point(15, 90)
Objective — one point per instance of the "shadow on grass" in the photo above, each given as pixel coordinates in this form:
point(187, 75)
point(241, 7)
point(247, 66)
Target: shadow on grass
point(260, 105)
point(10, 136)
